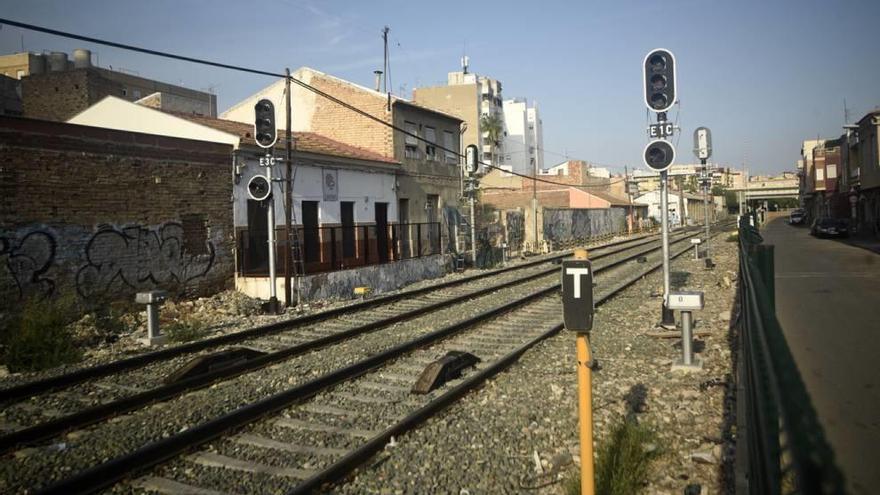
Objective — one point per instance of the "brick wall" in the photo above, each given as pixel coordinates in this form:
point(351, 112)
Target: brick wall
point(61, 95)
point(339, 123)
point(104, 213)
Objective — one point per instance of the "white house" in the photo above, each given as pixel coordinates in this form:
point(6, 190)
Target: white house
point(652, 199)
point(344, 197)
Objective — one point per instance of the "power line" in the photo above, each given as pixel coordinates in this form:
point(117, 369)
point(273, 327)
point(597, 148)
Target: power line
point(294, 80)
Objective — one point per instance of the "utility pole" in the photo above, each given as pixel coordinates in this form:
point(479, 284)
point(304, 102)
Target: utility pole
point(288, 198)
point(679, 181)
point(385, 80)
point(628, 190)
point(535, 203)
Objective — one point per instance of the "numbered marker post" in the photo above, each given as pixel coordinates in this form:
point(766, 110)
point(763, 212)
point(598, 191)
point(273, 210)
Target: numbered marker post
point(577, 314)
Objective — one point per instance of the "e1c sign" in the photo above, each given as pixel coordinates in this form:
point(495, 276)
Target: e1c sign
point(577, 295)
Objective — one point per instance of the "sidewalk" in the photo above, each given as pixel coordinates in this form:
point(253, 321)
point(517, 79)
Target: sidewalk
point(869, 243)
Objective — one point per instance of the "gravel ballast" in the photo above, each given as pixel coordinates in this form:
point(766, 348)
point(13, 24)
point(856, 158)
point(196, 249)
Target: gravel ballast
point(494, 440)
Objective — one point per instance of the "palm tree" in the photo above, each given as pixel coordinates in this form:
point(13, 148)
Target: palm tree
point(493, 127)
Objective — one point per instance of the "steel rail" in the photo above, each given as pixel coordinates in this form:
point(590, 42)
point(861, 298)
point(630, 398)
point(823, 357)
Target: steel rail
point(54, 427)
point(105, 474)
point(53, 383)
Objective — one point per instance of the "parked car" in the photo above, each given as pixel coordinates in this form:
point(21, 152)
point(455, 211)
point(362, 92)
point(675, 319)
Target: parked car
point(830, 227)
point(797, 217)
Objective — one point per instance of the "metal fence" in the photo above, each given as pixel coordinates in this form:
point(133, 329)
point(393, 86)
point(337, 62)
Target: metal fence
point(785, 447)
point(327, 248)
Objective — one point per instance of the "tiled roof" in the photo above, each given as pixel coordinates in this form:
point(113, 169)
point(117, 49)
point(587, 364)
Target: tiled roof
point(308, 142)
point(614, 200)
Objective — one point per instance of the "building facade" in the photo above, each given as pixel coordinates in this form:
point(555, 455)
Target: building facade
point(523, 137)
point(428, 182)
point(479, 103)
point(54, 87)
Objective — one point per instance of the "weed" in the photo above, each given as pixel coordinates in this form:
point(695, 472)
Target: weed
point(185, 330)
point(622, 461)
point(39, 337)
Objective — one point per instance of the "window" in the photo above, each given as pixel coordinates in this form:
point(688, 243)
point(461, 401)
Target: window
point(832, 171)
point(820, 174)
point(449, 144)
point(430, 148)
point(195, 234)
point(124, 91)
point(137, 94)
point(411, 144)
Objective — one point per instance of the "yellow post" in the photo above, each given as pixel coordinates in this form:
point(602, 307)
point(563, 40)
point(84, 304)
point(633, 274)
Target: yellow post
point(585, 404)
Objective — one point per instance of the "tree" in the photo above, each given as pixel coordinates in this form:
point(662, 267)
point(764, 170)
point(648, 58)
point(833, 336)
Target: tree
point(493, 126)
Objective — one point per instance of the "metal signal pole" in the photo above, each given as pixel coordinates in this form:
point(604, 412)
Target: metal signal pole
point(706, 185)
point(667, 316)
point(288, 199)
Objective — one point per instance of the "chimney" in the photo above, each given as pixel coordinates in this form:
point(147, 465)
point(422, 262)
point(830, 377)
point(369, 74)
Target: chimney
point(378, 74)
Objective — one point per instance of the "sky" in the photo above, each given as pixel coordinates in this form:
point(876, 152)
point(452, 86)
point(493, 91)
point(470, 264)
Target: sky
point(762, 75)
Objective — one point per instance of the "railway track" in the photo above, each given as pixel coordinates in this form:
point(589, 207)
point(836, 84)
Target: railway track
point(339, 402)
point(106, 396)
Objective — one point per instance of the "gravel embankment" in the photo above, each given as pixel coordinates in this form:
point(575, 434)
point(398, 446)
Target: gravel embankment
point(493, 440)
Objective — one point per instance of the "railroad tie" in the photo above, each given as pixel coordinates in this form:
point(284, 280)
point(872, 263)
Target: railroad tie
point(210, 459)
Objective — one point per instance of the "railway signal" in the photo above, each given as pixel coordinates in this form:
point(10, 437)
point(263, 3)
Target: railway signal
point(659, 155)
point(260, 187)
point(703, 150)
point(659, 79)
point(265, 133)
point(577, 315)
point(471, 164)
point(659, 83)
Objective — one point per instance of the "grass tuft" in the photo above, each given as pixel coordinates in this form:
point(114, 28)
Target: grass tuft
point(185, 330)
point(623, 461)
point(39, 337)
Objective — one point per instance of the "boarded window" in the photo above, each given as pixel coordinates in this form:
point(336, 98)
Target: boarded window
point(195, 234)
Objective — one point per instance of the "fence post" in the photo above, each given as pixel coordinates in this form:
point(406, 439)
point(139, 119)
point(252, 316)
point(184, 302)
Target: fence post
point(419, 238)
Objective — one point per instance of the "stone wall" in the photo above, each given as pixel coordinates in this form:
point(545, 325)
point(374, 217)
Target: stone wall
point(104, 213)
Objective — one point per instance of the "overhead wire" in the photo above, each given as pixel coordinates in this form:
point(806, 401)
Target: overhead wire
point(294, 80)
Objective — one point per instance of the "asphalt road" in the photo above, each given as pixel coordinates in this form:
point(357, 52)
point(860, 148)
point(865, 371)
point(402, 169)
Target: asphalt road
point(828, 303)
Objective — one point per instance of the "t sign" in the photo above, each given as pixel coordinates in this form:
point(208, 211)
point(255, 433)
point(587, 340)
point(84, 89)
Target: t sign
point(577, 295)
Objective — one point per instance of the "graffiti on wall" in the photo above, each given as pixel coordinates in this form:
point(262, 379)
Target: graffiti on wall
point(562, 225)
point(27, 261)
point(135, 257)
point(515, 229)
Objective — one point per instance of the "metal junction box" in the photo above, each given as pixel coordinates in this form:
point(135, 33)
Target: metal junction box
point(685, 300)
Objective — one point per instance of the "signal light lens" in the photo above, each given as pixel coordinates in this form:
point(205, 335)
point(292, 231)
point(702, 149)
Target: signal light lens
point(658, 63)
point(656, 156)
point(659, 100)
point(658, 82)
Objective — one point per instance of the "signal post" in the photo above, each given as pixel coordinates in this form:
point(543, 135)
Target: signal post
point(260, 187)
point(577, 314)
point(659, 74)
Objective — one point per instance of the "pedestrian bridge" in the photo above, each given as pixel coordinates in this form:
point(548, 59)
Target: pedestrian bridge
point(768, 192)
